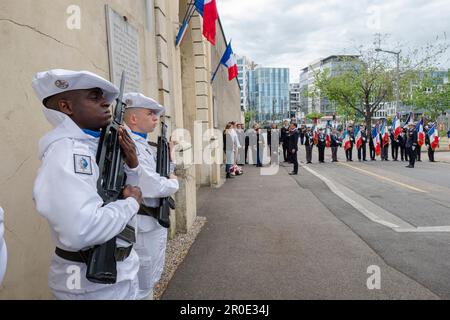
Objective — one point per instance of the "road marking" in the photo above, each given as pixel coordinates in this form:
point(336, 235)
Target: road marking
point(384, 178)
point(372, 211)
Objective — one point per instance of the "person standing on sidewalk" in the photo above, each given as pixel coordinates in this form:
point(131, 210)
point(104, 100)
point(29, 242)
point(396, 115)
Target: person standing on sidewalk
point(428, 143)
point(293, 136)
point(394, 145)
point(241, 138)
point(259, 146)
point(284, 140)
point(321, 146)
point(363, 150)
point(141, 116)
point(228, 149)
point(372, 146)
point(411, 145)
point(65, 192)
point(402, 138)
point(349, 151)
point(309, 143)
point(334, 144)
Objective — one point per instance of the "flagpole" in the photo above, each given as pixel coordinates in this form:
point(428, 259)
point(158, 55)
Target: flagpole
point(215, 72)
point(187, 18)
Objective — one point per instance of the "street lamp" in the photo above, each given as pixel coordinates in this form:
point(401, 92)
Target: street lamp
point(397, 82)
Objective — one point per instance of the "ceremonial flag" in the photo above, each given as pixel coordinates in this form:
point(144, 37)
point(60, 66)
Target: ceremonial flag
point(396, 126)
point(384, 133)
point(420, 133)
point(316, 131)
point(346, 140)
point(358, 138)
point(208, 10)
point(409, 120)
point(229, 61)
point(434, 138)
point(328, 138)
point(377, 142)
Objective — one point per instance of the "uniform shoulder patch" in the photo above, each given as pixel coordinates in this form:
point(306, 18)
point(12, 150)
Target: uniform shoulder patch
point(82, 164)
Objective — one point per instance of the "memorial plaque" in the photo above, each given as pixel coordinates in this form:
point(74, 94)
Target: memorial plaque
point(123, 48)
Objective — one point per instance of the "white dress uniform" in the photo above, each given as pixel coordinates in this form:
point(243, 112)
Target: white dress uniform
point(65, 193)
point(152, 237)
point(3, 252)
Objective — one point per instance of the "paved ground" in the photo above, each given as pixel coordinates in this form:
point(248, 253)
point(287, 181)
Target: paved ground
point(279, 237)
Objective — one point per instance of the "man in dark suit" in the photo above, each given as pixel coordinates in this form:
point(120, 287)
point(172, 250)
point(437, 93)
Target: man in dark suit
point(349, 151)
point(362, 151)
point(309, 143)
point(428, 143)
point(395, 144)
point(402, 143)
point(321, 146)
point(335, 142)
point(411, 145)
point(284, 139)
point(293, 136)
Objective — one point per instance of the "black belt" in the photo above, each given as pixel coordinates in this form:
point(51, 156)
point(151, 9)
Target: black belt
point(83, 256)
point(128, 234)
point(148, 211)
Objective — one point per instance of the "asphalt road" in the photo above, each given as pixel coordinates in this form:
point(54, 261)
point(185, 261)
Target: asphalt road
point(314, 236)
point(402, 214)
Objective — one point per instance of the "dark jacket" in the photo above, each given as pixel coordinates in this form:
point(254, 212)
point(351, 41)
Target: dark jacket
point(284, 135)
point(293, 140)
point(309, 139)
point(411, 138)
point(322, 140)
point(364, 136)
point(335, 141)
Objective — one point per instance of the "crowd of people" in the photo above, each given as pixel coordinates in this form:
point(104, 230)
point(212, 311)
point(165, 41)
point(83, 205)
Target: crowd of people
point(400, 144)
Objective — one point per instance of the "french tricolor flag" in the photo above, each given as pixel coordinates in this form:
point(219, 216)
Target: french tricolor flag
point(208, 10)
point(396, 126)
point(376, 139)
point(420, 133)
point(384, 133)
point(328, 138)
point(346, 141)
point(358, 139)
point(229, 61)
point(434, 138)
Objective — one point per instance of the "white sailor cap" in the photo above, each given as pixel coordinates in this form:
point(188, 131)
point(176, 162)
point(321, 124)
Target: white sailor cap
point(138, 100)
point(51, 82)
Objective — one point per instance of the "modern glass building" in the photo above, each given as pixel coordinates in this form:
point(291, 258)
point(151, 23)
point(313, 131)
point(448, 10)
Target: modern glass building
point(335, 64)
point(269, 93)
point(244, 66)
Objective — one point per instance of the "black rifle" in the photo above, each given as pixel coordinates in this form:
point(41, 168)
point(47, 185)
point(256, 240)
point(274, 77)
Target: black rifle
point(163, 168)
point(101, 264)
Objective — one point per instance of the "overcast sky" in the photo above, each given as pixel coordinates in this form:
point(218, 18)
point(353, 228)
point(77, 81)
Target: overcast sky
point(294, 33)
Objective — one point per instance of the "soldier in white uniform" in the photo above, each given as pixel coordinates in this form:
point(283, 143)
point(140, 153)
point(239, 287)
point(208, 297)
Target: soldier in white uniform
point(3, 252)
point(77, 104)
point(141, 116)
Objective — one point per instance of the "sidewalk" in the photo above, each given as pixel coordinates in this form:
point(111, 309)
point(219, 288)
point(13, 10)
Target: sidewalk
point(267, 238)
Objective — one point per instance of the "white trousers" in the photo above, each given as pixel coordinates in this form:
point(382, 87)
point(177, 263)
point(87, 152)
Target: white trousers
point(151, 249)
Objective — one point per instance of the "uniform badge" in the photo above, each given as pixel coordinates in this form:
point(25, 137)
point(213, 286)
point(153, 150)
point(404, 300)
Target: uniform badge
point(82, 164)
point(129, 102)
point(62, 84)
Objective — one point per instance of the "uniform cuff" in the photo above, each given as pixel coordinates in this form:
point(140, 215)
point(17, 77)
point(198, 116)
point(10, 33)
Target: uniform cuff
point(134, 205)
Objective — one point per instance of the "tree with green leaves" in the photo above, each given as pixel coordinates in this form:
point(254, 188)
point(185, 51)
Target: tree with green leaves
point(364, 83)
point(431, 95)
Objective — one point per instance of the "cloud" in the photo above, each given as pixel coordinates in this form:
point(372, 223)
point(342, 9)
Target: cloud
point(294, 33)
